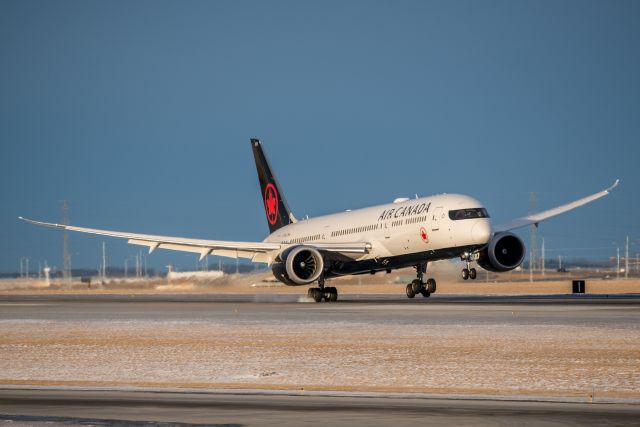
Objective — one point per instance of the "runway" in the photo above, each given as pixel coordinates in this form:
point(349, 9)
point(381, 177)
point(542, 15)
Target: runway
point(374, 360)
point(142, 408)
point(378, 299)
point(621, 310)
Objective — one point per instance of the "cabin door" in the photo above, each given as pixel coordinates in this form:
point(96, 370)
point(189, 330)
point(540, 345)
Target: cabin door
point(435, 219)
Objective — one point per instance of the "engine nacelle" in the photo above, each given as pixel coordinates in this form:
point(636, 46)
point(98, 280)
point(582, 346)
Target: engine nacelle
point(301, 265)
point(504, 252)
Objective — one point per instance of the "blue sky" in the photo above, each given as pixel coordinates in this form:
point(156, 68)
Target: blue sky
point(140, 113)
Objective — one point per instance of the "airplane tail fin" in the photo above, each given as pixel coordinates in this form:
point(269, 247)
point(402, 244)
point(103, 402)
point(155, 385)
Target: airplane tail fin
point(275, 204)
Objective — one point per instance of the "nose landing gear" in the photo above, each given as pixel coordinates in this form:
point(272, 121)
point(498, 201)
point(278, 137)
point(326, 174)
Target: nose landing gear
point(468, 273)
point(417, 286)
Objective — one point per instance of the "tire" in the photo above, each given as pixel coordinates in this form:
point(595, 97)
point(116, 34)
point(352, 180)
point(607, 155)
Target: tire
point(473, 274)
point(465, 274)
point(317, 295)
point(426, 293)
point(409, 290)
point(330, 294)
point(431, 286)
point(416, 286)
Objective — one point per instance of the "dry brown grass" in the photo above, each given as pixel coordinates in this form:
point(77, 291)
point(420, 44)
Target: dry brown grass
point(263, 283)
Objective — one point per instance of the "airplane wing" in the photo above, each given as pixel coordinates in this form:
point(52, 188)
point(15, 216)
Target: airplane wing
point(255, 251)
point(541, 216)
point(258, 251)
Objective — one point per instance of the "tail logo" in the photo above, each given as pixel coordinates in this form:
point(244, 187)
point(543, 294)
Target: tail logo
point(271, 203)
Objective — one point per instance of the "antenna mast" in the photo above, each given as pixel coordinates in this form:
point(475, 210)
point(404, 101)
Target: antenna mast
point(626, 259)
point(542, 254)
point(104, 262)
point(66, 260)
point(532, 251)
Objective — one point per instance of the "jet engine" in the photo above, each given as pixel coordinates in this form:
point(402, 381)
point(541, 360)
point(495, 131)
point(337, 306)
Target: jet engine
point(301, 265)
point(504, 252)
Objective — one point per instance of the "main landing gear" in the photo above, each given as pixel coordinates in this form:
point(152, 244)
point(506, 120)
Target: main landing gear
point(468, 273)
point(328, 293)
point(418, 286)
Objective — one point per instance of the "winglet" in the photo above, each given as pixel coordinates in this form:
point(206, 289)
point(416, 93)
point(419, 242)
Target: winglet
point(44, 224)
point(615, 184)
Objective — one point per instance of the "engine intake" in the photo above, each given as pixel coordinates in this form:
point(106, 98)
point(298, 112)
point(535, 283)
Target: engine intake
point(302, 265)
point(504, 252)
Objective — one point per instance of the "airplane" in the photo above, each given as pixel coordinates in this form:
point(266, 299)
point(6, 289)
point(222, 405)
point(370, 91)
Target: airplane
point(405, 233)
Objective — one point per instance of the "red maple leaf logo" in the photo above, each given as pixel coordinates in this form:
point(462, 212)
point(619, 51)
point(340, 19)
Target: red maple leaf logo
point(423, 234)
point(271, 203)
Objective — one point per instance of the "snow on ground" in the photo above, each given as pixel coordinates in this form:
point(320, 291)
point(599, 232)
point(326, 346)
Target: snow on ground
point(364, 356)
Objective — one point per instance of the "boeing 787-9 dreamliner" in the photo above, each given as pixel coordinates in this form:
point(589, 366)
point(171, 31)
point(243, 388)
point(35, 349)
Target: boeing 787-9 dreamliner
point(405, 233)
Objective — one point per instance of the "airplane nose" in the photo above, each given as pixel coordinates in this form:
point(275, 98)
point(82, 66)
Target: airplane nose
point(481, 231)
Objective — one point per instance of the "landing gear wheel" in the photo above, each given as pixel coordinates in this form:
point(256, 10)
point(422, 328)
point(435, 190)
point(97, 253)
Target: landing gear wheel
point(417, 286)
point(473, 274)
point(431, 286)
point(334, 295)
point(330, 294)
point(465, 274)
point(425, 293)
point(410, 293)
point(317, 294)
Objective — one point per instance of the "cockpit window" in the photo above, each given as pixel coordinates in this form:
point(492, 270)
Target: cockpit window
point(468, 213)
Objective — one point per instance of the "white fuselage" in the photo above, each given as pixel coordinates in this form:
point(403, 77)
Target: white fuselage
point(396, 229)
